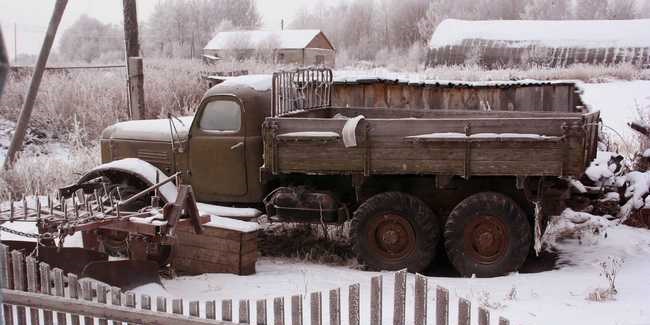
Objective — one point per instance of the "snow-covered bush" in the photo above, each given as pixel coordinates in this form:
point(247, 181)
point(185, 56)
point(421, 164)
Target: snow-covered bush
point(585, 227)
point(603, 170)
point(638, 187)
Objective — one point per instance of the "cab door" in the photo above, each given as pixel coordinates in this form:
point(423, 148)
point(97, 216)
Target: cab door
point(218, 150)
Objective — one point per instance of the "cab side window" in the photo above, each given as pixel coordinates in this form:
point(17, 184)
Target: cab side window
point(221, 115)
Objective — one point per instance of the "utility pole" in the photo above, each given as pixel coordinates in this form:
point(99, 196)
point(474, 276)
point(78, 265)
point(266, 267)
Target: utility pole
point(135, 89)
point(28, 106)
point(15, 43)
point(4, 63)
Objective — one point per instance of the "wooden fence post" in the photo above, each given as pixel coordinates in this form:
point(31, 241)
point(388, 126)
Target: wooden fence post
point(335, 306)
point(226, 310)
point(32, 286)
point(399, 303)
point(177, 306)
point(87, 294)
point(18, 263)
point(194, 308)
point(353, 304)
point(316, 302)
point(420, 308)
point(296, 310)
point(161, 304)
point(260, 311)
point(73, 293)
point(129, 301)
point(211, 309)
point(376, 284)
point(46, 289)
point(116, 300)
point(59, 291)
point(102, 293)
point(136, 88)
point(483, 316)
point(145, 302)
point(464, 314)
point(442, 306)
point(278, 311)
point(244, 312)
point(6, 281)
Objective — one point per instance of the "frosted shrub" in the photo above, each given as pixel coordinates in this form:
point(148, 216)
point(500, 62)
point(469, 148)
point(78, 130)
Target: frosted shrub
point(35, 173)
point(609, 270)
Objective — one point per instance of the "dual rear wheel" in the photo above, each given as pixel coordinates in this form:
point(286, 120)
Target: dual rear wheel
point(487, 234)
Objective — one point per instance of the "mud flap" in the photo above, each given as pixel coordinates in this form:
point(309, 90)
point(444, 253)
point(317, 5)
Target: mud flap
point(126, 274)
point(69, 259)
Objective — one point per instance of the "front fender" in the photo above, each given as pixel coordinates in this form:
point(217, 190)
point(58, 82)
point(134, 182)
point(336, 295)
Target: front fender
point(134, 170)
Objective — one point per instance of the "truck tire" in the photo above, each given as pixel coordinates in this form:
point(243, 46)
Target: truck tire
point(393, 230)
point(487, 234)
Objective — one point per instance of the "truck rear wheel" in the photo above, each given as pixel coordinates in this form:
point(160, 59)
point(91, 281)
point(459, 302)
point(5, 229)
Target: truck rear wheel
point(487, 234)
point(393, 230)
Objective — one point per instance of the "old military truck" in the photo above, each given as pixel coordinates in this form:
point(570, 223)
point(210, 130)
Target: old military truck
point(480, 182)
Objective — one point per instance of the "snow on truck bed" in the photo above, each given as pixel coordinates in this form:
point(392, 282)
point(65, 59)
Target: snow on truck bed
point(556, 33)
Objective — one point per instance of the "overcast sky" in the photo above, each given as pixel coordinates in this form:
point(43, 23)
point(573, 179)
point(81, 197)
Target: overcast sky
point(32, 16)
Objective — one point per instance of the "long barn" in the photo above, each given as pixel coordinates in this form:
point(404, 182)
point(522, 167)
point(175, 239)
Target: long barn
point(507, 43)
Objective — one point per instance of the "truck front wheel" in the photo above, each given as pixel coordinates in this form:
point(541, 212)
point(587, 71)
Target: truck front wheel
point(487, 234)
point(393, 230)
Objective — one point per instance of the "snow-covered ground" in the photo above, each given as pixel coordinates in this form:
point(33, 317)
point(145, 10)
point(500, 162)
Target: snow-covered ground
point(548, 297)
point(619, 102)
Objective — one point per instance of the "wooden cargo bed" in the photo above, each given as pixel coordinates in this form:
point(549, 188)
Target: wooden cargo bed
point(434, 142)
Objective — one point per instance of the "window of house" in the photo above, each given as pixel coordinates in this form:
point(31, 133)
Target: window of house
point(221, 115)
point(320, 59)
point(280, 57)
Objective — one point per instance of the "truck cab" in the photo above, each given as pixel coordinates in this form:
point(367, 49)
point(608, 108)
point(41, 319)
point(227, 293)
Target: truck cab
point(218, 150)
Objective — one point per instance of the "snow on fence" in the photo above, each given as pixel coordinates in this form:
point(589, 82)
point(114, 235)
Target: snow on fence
point(33, 294)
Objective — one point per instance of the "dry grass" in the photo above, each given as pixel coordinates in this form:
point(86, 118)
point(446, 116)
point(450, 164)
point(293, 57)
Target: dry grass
point(306, 243)
point(35, 174)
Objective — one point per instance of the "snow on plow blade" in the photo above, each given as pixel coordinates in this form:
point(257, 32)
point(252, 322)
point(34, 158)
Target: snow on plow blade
point(126, 274)
point(69, 259)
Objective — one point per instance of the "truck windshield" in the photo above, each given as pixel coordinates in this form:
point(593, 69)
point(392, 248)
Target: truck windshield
point(221, 115)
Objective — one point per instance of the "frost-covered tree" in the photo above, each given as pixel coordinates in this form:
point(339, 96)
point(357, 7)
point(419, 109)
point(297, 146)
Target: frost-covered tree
point(89, 39)
point(548, 9)
point(182, 27)
point(591, 9)
point(644, 12)
point(621, 9)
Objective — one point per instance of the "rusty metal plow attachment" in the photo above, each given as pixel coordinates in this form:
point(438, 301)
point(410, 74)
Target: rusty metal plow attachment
point(90, 208)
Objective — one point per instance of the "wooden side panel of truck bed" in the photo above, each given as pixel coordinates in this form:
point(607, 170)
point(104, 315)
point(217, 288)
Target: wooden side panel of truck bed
point(476, 144)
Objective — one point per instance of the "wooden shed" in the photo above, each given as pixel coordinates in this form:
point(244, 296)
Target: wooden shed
point(304, 47)
point(507, 43)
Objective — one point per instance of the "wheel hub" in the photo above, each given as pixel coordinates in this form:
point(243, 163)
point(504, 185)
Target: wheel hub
point(486, 239)
point(391, 236)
